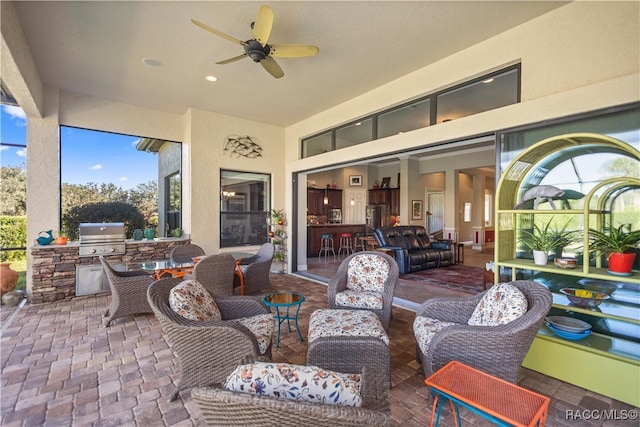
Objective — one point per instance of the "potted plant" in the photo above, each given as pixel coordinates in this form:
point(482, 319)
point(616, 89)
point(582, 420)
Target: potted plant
point(278, 216)
point(62, 238)
point(617, 246)
point(544, 239)
point(277, 244)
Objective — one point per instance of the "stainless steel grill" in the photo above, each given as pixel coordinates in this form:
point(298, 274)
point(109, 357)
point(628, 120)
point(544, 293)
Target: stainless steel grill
point(102, 239)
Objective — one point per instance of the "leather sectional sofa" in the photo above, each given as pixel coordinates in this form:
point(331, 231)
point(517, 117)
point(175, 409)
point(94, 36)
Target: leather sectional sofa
point(413, 249)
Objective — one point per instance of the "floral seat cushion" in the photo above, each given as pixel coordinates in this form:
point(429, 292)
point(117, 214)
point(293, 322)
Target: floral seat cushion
point(359, 299)
point(296, 382)
point(501, 304)
point(424, 328)
point(345, 323)
point(261, 326)
point(192, 301)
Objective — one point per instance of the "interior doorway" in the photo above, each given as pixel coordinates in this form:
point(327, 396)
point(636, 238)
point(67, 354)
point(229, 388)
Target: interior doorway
point(435, 215)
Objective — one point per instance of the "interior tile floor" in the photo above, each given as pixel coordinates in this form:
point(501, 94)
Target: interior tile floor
point(61, 367)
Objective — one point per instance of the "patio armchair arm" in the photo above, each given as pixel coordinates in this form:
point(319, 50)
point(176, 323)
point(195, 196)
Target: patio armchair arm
point(236, 307)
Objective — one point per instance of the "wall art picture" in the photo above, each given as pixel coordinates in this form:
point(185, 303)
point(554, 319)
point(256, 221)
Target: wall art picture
point(416, 209)
point(242, 146)
point(355, 180)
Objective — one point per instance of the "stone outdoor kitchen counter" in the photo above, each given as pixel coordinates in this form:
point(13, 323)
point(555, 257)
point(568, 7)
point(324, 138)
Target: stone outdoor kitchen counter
point(54, 266)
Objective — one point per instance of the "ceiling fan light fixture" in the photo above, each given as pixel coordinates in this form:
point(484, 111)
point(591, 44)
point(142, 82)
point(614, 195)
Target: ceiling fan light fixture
point(211, 78)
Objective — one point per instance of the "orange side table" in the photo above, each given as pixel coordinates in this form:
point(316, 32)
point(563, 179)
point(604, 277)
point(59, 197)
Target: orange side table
point(499, 401)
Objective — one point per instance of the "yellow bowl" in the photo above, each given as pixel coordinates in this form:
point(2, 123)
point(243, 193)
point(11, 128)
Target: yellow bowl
point(583, 297)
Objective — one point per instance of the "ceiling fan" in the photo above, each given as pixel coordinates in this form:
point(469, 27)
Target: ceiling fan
point(257, 47)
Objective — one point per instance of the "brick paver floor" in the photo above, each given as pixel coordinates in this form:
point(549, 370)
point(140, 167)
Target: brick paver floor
point(61, 367)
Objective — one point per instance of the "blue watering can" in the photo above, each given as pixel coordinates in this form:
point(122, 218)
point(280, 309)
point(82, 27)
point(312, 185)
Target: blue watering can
point(45, 237)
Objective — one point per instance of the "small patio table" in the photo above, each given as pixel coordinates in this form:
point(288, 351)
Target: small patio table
point(494, 399)
point(285, 300)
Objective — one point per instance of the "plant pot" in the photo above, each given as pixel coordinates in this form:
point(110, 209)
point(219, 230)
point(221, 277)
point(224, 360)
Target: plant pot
point(12, 298)
point(138, 234)
point(61, 240)
point(8, 278)
point(620, 264)
point(150, 233)
point(540, 257)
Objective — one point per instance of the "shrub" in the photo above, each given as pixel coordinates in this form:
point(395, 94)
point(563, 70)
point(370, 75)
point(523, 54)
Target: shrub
point(13, 234)
point(102, 212)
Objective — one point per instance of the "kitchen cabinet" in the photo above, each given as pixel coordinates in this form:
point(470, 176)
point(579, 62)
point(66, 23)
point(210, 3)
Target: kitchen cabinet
point(394, 205)
point(379, 196)
point(315, 200)
point(607, 361)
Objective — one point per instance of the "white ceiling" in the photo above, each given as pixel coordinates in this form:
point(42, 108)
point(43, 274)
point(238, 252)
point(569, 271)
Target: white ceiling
point(97, 49)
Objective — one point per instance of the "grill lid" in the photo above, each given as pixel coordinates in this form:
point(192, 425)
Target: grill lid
point(91, 233)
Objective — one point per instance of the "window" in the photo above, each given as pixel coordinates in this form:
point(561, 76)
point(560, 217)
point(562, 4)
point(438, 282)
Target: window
point(490, 91)
point(98, 167)
point(244, 207)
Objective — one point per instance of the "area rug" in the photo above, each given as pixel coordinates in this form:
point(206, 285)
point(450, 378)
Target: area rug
point(457, 277)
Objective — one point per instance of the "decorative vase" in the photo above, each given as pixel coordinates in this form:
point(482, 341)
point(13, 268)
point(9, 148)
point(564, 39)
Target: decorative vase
point(8, 278)
point(138, 234)
point(620, 264)
point(149, 233)
point(540, 257)
point(177, 232)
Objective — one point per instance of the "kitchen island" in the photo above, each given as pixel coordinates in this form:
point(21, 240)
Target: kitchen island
point(315, 231)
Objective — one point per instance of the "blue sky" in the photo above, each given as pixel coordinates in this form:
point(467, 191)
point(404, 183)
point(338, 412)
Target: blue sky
point(88, 156)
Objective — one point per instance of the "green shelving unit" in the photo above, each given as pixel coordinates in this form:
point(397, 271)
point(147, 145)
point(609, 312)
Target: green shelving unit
point(608, 361)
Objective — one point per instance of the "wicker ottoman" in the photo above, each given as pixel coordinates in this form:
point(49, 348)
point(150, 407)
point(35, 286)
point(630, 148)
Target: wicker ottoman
point(347, 340)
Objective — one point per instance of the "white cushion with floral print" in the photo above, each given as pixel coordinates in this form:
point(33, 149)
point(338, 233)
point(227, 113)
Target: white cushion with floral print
point(345, 323)
point(261, 326)
point(192, 301)
point(296, 382)
point(367, 272)
point(424, 328)
point(359, 299)
point(501, 304)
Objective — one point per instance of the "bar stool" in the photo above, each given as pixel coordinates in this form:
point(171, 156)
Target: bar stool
point(345, 243)
point(357, 241)
point(326, 245)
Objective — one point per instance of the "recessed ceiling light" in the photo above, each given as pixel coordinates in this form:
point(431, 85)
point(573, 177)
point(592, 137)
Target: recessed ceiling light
point(487, 80)
point(212, 78)
point(152, 62)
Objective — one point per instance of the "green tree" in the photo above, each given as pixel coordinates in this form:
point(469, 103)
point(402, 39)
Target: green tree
point(103, 212)
point(145, 198)
point(13, 195)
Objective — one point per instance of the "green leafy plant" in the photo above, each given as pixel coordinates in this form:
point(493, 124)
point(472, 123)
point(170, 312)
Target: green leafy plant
point(547, 237)
point(277, 214)
point(277, 241)
point(278, 257)
point(617, 241)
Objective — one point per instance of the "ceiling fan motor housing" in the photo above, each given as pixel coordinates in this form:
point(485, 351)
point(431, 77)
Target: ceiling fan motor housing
point(256, 51)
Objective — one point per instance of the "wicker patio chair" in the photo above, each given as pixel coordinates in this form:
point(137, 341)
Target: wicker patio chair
point(344, 281)
point(215, 273)
point(256, 274)
point(128, 292)
point(185, 253)
point(219, 407)
point(497, 350)
point(207, 351)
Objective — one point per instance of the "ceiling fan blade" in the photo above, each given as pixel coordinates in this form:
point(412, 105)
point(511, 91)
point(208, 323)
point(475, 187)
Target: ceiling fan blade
point(230, 60)
point(262, 25)
point(293, 50)
point(218, 33)
point(272, 67)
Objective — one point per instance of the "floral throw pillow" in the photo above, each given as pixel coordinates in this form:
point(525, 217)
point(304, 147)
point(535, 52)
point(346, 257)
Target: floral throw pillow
point(367, 272)
point(501, 304)
point(296, 382)
point(192, 301)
